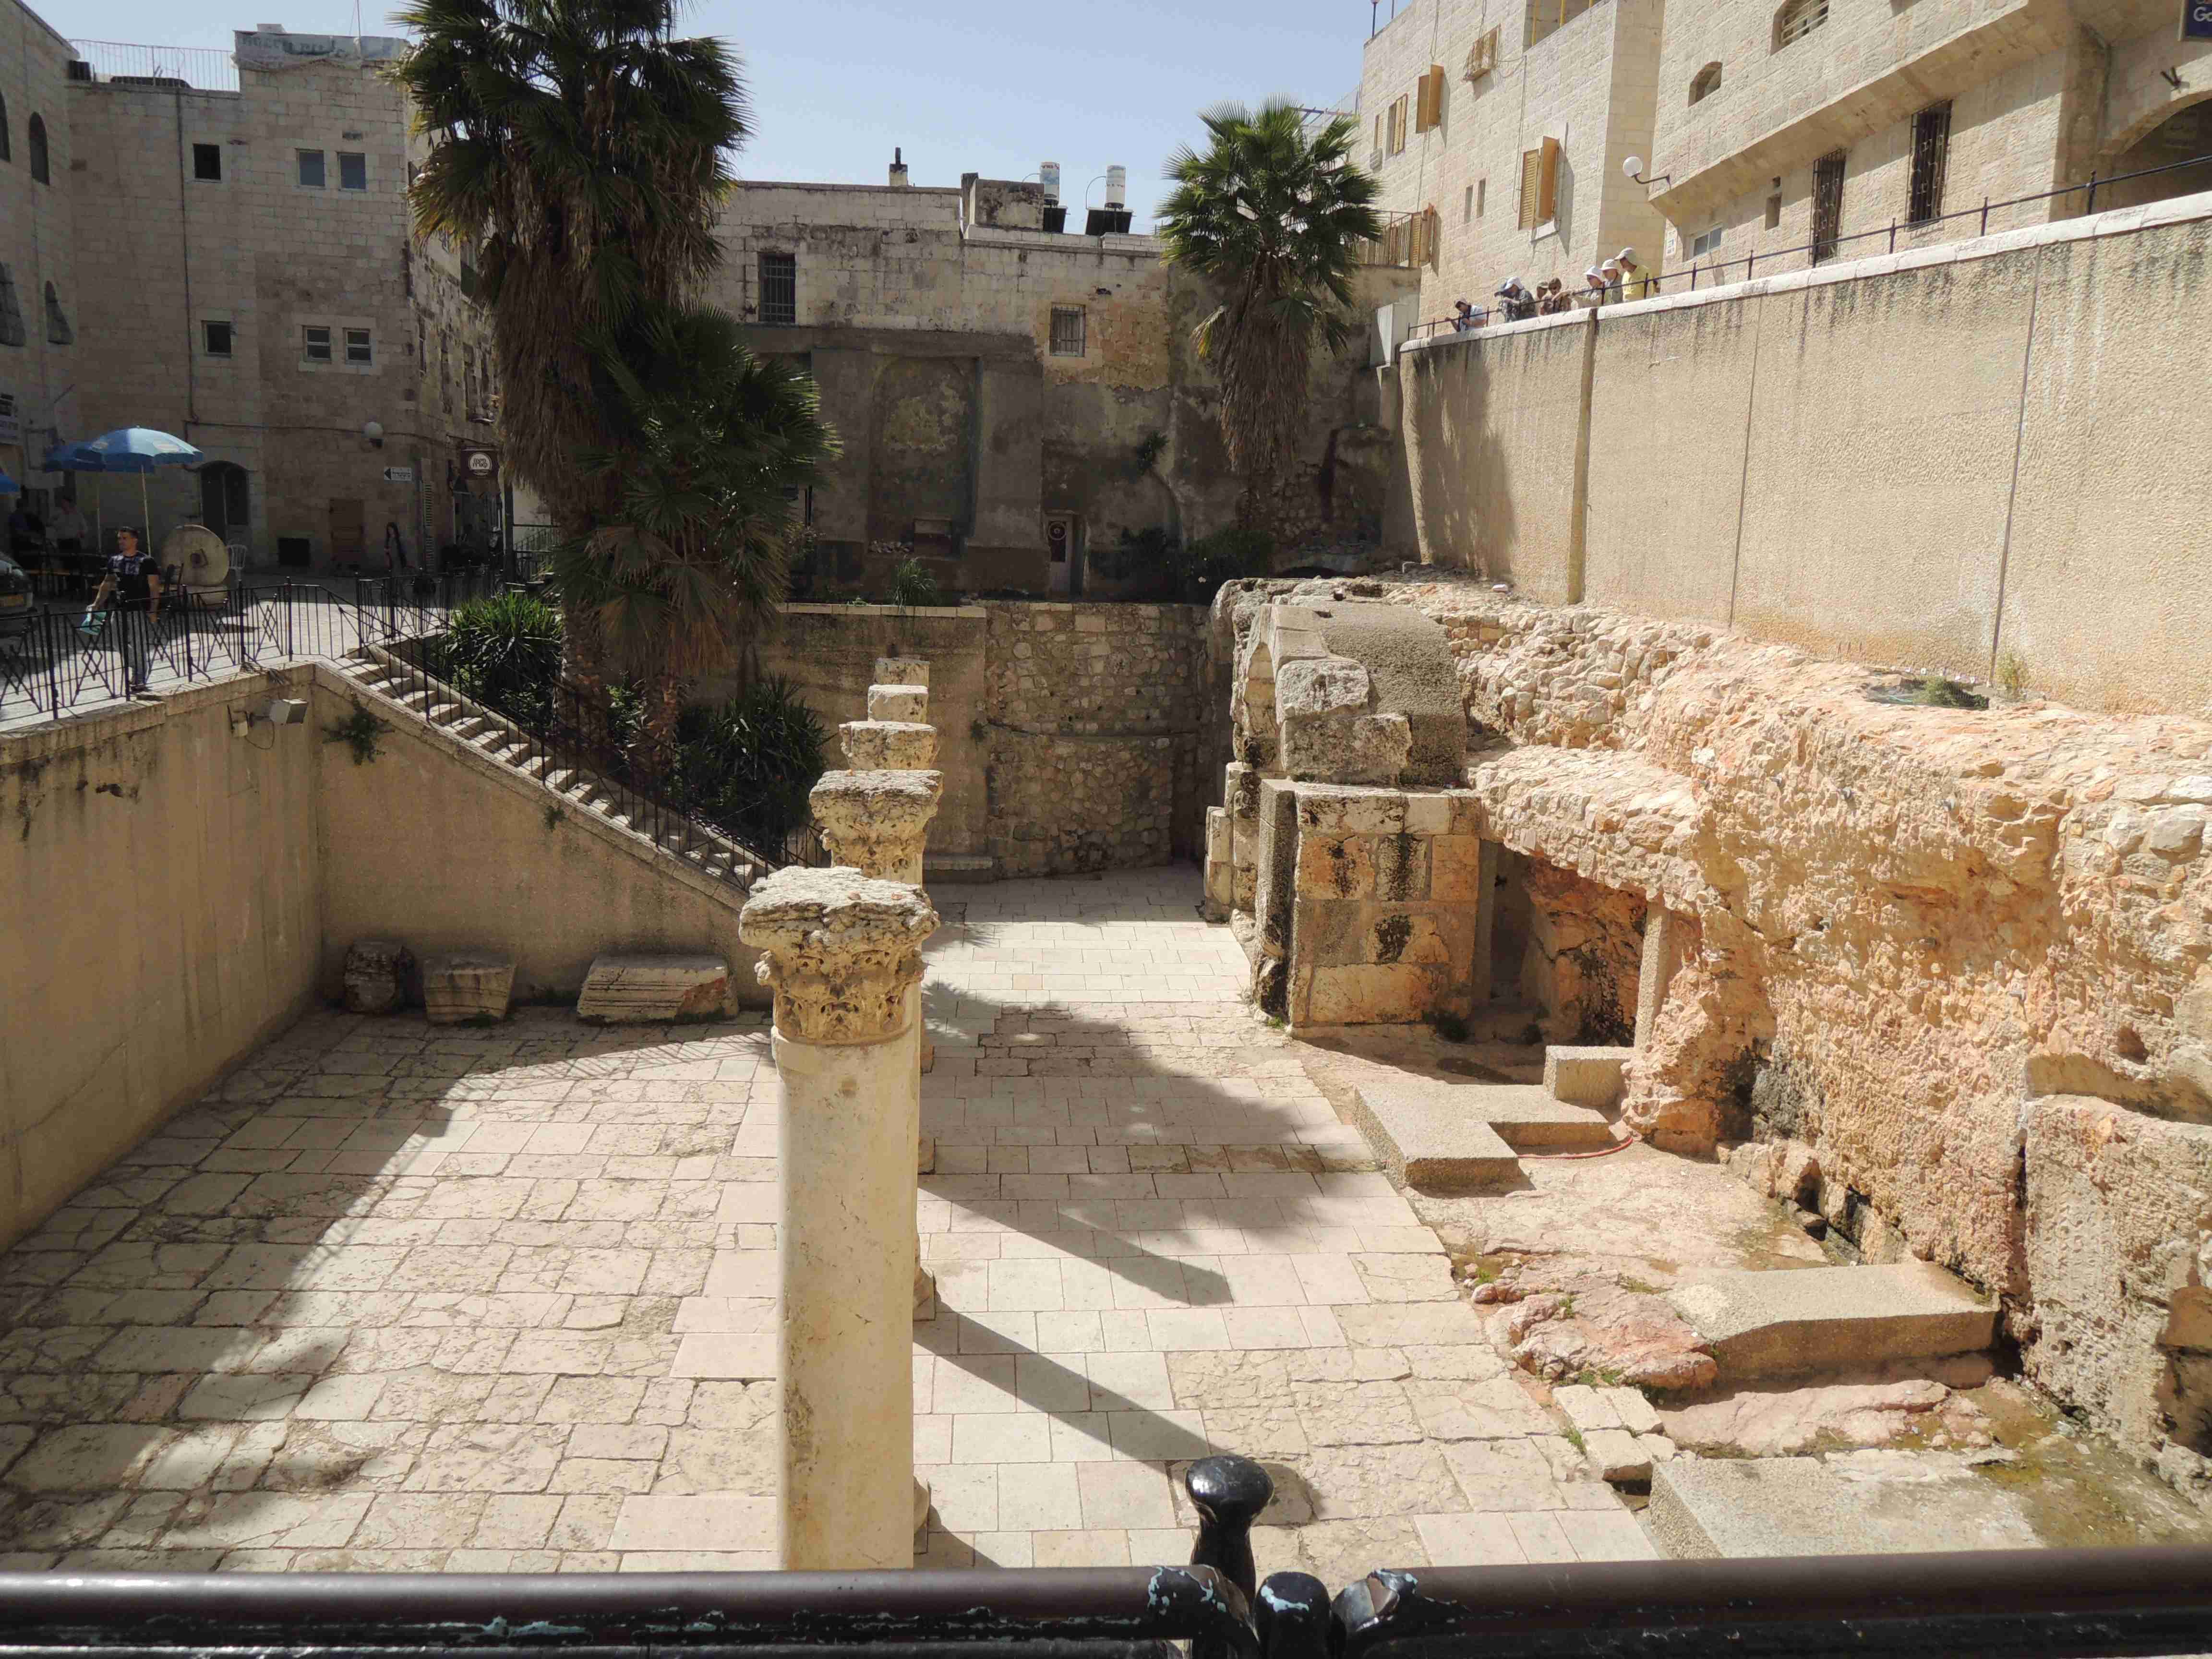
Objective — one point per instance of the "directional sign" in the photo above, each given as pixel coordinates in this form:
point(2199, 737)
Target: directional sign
point(399, 475)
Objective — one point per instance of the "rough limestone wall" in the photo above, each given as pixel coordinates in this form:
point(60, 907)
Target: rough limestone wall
point(1905, 923)
point(1093, 715)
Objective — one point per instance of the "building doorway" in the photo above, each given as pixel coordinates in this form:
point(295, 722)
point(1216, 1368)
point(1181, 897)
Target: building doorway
point(225, 506)
point(346, 532)
point(1064, 567)
point(2176, 144)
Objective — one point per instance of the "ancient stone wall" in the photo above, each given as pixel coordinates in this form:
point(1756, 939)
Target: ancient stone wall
point(1949, 969)
point(1092, 717)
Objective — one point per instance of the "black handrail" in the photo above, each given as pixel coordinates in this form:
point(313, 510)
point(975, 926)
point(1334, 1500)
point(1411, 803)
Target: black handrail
point(1653, 284)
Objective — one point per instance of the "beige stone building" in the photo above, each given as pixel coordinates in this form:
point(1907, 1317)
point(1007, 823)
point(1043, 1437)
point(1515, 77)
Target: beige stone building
point(1021, 407)
point(1498, 133)
point(232, 262)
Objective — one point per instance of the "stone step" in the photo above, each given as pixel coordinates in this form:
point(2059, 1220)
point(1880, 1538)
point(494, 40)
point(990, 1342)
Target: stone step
point(1860, 1503)
point(1426, 1141)
point(1585, 1077)
point(1786, 1323)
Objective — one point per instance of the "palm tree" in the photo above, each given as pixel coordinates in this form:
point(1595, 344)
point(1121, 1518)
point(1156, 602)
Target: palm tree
point(1271, 215)
point(583, 151)
point(713, 445)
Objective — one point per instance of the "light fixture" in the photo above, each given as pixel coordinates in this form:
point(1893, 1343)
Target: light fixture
point(373, 432)
point(1633, 166)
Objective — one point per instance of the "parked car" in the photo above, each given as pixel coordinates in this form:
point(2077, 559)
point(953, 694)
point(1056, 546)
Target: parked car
point(19, 607)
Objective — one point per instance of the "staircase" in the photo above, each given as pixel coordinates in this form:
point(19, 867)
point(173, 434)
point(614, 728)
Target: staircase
point(383, 675)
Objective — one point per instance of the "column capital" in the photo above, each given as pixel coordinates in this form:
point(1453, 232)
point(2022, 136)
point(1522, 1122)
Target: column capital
point(898, 702)
point(840, 951)
point(876, 821)
point(902, 671)
point(889, 746)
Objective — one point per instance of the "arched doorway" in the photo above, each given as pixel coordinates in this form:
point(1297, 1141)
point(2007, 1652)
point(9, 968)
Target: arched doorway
point(225, 507)
point(2183, 136)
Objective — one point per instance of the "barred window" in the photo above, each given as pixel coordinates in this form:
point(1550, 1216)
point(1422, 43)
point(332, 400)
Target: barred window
point(1931, 157)
point(1069, 330)
point(1798, 19)
point(779, 289)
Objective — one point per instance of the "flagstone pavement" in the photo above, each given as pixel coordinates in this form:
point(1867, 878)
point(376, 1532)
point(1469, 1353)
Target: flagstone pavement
point(398, 1297)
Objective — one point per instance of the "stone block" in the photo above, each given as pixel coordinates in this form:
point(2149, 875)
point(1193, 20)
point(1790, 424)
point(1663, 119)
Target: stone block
point(1620, 1456)
point(1374, 994)
point(377, 972)
point(1336, 867)
point(902, 670)
point(1780, 1324)
point(461, 986)
point(1585, 1077)
point(1460, 869)
point(1342, 810)
point(1867, 1503)
point(1402, 869)
point(624, 989)
point(898, 702)
point(889, 746)
point(1428, 814)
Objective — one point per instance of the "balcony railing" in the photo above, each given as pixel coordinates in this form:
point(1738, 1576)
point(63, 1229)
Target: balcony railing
point(197, 69)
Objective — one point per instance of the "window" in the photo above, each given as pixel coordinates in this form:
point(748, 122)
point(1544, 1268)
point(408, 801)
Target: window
point(1797, 19)
point(358, 348)
point(41, 172)
point(1704, 243)
point(1545, 16)
point(1705, 83)
point(1539, 184)
point(1467, 206)
point(215, 339)
point(311, 169)
point(206, 161)
point(1774, 211)
point(353, 170)
point(1827, 204)
point(1429, 100)
point(11, 313)
point(1481, 192)
point(1481, 57)
point(1931, 156)
point(1398, 127)
point(1069, 330)
point(7, 149)
point(315, 343)
point(779, 289)
point(58, 331)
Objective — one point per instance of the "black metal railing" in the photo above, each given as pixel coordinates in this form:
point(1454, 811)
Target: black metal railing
point(2054, 1603)
point(1712, 273)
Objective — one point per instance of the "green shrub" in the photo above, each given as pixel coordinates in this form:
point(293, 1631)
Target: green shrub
point(504, 651)
point(749, 764)
point(913, 585)
point(1222, 557)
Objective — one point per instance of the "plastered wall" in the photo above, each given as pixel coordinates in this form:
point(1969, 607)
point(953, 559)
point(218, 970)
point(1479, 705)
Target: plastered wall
point(1952, 459)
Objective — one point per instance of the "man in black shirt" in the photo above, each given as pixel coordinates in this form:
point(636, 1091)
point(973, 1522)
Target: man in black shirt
point(133, 582)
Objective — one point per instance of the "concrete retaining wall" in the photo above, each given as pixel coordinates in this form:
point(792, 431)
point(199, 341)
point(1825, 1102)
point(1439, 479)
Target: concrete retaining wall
point(1958, 458)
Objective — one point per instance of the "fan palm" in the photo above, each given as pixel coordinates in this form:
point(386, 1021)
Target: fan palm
point(582, 150)
point(1271, 214)
point(692, 551)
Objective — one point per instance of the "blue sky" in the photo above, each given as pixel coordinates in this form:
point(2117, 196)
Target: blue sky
point(990, 87)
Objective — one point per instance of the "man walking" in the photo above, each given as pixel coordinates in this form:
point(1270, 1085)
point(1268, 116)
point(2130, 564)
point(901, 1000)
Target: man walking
point(133, 585)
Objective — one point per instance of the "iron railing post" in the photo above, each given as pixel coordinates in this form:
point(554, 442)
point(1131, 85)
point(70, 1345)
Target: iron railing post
point(2091, 206)
point(1291, 1614)
point(1892, 235)
point(1986, 216)
point(1228, 1493)
point(53, 643)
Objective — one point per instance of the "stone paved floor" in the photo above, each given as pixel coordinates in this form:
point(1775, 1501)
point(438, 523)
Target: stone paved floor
point(396, 1297)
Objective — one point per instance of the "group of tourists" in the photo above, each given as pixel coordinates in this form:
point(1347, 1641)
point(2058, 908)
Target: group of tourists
point(1621, 277)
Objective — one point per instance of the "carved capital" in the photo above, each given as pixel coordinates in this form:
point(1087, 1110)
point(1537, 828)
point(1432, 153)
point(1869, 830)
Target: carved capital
point(876, 821)
point(889, 746)
point(839, 948)
point(898, 702)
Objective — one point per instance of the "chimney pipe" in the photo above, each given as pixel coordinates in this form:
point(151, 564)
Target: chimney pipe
point(898, 165)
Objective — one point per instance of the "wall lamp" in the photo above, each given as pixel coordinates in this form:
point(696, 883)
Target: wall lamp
point(1633, 166)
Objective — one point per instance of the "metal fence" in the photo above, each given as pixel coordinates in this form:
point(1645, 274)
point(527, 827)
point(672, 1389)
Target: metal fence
point(1712, 273)
point(200, 68)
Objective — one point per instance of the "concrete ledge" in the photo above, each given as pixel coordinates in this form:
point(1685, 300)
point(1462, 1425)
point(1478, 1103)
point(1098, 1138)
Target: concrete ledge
point(1777, 1324)
point(1877, 1503)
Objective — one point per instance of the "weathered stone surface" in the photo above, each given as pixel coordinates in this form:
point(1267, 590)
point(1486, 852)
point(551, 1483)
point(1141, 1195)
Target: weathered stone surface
point(1585, 1076)
point(466, 984)
point(902, 671)
point(377, 971)
point(1572, 1320)
point(1858, 1503)
point(909, 703)
point(876, 821)
point(889, 746)
point(655, 988)
point(1767, 1324)
point(1782, 1422)
point(840, 951)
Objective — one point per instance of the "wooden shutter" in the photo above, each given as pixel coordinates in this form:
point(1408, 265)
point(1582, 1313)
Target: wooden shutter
point(1549, 196)
point(1532, 187)
point(1429, 102)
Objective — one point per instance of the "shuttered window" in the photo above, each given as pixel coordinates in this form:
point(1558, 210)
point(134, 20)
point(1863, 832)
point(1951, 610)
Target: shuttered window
point(1539, 184)
point(1429, 100)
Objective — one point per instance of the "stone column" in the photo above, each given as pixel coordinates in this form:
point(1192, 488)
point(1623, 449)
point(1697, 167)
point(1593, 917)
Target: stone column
point(842, 954)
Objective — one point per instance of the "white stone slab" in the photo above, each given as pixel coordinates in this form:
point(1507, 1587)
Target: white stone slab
point(626, 989)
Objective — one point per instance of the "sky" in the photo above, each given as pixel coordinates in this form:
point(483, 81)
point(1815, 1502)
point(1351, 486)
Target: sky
point(989, 87)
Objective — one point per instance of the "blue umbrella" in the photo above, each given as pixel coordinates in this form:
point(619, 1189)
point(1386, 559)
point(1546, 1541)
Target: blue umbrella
point(137, 449)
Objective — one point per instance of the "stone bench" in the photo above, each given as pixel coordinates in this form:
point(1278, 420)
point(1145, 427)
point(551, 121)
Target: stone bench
point(636, 989)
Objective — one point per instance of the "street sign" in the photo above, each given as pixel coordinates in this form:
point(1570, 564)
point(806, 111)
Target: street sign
point(481, 463)
point(2196, 19)
point(399, 475)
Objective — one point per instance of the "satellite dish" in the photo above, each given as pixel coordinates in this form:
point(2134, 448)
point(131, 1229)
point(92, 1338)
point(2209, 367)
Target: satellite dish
point(199, 557)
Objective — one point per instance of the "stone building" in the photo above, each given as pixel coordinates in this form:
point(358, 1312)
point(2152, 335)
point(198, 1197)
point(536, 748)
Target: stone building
point(234, 264)
point(1021, 408)
point(1499, 134)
